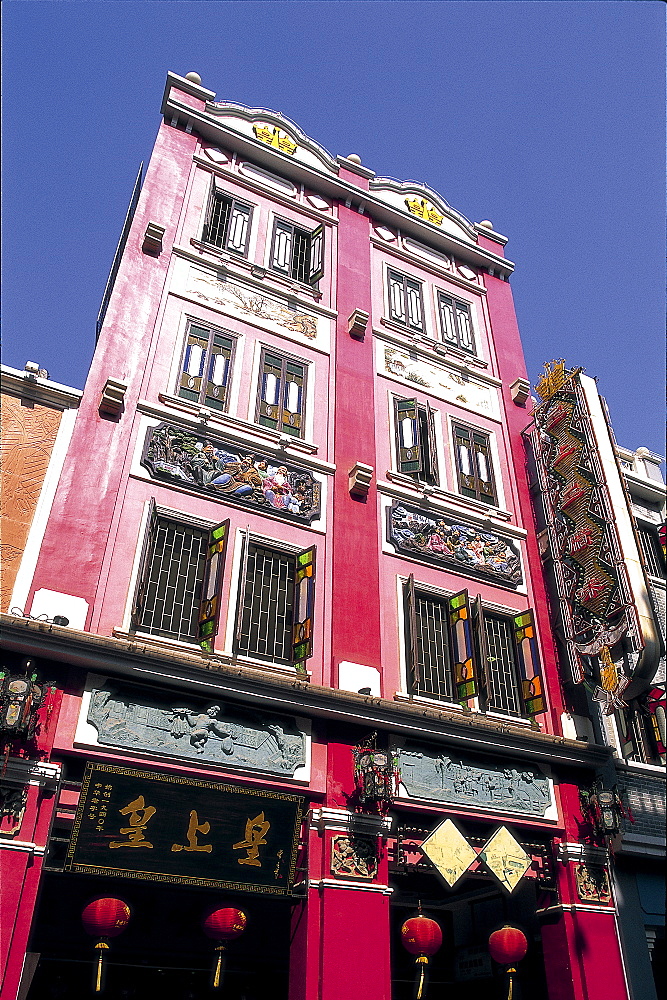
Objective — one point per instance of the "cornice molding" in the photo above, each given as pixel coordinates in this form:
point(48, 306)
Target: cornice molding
point(20, 771)
point(341, 820)
point(109, 656)
point(39, 390)
point(339, 883)
point(584, 853)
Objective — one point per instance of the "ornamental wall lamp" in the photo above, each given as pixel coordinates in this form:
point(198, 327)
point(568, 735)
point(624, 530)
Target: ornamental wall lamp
point(20, 699)
point(603, 809)
point(376, 775)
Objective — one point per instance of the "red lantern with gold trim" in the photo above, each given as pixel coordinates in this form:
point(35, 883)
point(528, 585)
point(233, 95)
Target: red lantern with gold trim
point(222, 925)
point(507, 947)
point(422, 937)
point(104, 918)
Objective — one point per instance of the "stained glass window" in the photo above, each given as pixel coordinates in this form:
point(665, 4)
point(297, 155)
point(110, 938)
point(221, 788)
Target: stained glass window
point(206, 367)
point(282, 390)
point(473, 464)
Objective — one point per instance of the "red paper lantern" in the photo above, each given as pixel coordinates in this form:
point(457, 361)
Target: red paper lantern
point(508, 945)
point(224, 924)
point(421, 936)
point(106, 917)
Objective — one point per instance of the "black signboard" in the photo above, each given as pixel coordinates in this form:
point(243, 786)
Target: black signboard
point(139, 824)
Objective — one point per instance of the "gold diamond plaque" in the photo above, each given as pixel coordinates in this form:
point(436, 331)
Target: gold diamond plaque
point(449, 852)
point(505, 858)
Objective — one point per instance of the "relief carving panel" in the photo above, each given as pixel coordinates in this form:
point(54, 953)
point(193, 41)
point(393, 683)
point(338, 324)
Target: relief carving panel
point(197, 730)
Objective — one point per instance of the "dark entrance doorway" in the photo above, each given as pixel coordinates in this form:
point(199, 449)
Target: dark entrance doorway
point(468, 914)
point(163, 952)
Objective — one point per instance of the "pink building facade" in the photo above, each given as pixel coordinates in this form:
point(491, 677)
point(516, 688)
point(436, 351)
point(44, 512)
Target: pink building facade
point(294, 545)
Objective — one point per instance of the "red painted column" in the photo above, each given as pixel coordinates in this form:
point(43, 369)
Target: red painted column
point(511, 365)
point(22, 856)
point(580, 940)
point(355, 620)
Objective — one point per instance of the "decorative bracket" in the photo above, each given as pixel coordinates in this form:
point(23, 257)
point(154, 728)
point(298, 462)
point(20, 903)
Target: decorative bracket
point(360, 479)
point(357, 323)
point(520, 390)
point(113, 397)
point(153, 238)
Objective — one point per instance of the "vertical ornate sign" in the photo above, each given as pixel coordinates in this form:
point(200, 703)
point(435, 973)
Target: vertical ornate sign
point(598, 615)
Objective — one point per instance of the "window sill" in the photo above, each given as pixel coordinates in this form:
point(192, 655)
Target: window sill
point(218, 418)
point(294, 286)
point(432, 346)
point(147, 639)
point(453, 708)
point(492, 514)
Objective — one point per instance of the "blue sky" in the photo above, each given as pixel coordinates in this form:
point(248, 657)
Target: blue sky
point(545, 117)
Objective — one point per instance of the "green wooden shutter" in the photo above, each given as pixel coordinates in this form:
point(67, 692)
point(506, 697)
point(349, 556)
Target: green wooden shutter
point(483, 683)
point(411, 634)
point(316, 270)
point(529, 663)
point(410, 455)
point(144, 566)
point(304, 606)
point(209, 607)
point(460, 632)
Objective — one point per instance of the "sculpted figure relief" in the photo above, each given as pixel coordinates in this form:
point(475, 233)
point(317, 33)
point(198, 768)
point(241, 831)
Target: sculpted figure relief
point(454, 779)
point(126, 717)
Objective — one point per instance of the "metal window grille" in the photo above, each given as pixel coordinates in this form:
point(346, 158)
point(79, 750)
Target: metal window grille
point(650, 547)
point(503, 690)
point(432, 674)
point(267, 605)
point(301, 256)
point(175, 574)
point(216, 227)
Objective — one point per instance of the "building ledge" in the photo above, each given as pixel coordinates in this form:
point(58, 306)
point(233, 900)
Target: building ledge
point(113, 656)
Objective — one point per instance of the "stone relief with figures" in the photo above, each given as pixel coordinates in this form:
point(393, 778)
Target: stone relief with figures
point(465, 549)
point(455, 779)
point(224, 470)
point(213, 733)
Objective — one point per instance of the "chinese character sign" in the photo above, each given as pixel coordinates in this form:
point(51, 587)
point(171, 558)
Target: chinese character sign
point(165, 828)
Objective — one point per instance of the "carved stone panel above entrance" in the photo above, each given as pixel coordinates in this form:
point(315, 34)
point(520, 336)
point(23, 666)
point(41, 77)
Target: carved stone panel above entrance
point(203, 731)
point(457, 780)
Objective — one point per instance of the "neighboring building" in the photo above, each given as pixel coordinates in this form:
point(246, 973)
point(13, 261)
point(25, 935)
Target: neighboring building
point(603, 542)
point(36, 419)
point(294, 543)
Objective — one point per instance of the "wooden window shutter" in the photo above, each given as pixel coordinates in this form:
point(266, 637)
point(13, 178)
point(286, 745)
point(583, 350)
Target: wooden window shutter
point(410, 456)
point(460, 632)
point(316, 255)
point(411, 629)
point(144, 562)
point(281, 253)
point(528, 656)
point(483, 663)
point(304, 607)
point(209, 608)
point(239, 228)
